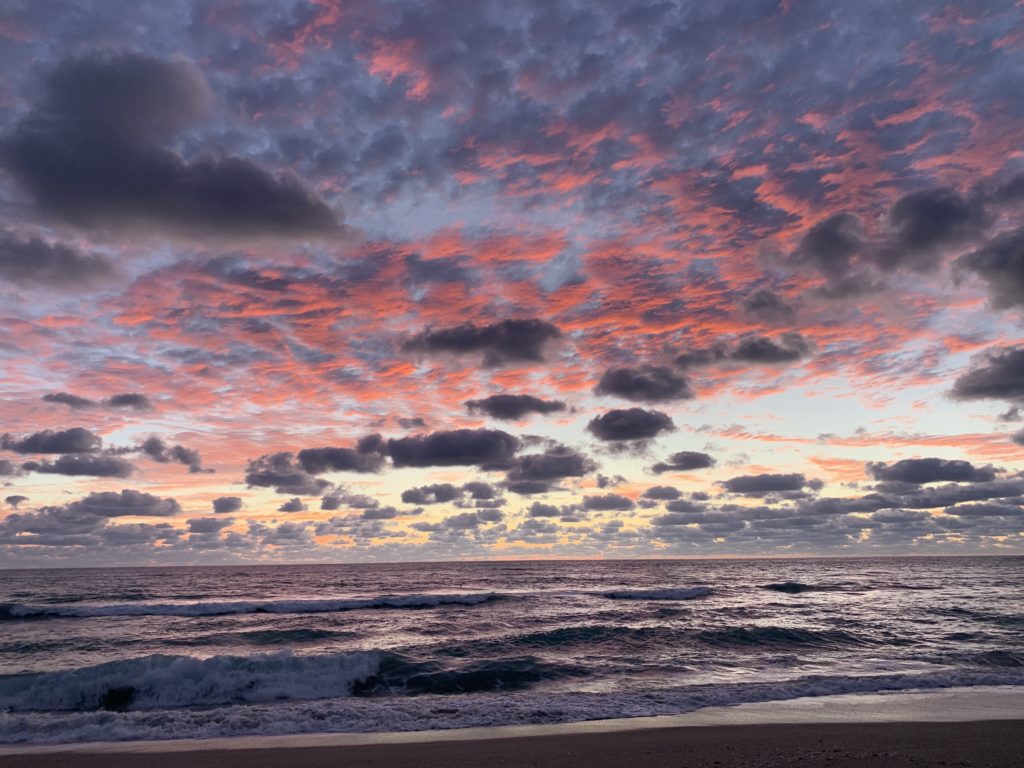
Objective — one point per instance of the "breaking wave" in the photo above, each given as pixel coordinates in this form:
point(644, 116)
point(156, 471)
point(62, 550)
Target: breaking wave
point(686, 593)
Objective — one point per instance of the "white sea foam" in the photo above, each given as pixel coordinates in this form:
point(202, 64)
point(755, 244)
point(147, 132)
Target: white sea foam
point(160, 681)
point(351, 714)
point(18, 611)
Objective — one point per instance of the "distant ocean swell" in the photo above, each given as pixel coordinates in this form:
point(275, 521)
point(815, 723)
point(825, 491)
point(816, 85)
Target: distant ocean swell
point(16, 611)
point(12, 611)
point(179, 697)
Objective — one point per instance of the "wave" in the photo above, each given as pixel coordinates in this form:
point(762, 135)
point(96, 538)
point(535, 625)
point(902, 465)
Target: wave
point(407, 713)
point(163, 681)
point(781, 637)
point(402, 676)
point(171, 682)
point(789, 587)
point(685, 593)
point(11, 611)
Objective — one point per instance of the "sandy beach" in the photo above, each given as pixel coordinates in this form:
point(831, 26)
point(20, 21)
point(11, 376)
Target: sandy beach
point(994, 744)
point(920, 729)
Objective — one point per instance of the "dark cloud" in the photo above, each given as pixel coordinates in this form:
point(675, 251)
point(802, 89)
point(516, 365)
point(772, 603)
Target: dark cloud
point(645, 384)
point(924, 221)
point(71, 401)
point(9, 468)
point(74, 440)
point(208, 524)
point(831, 244)
point(514, 407)
point(35, 263)
point(768, 483)
point(480, 491)
point(752, 349)
point(15, 500)
point(930, 470)
point(223, 505)
point(609, 502)
point(159, 451)
point(662, 493)
point(630, 424)
point(768, 307)
point(459, 447)
point(787, 348)
point(555, 463)
point(439, 493)
point(128, 502)
point(539, 509)
point(279, 471)
point(365, 457)
point(684, 461)
point(94, 152)
point(996, 374)
point(508, 341)
point(129, 401)
point(83, 464)
point(293, 504)
point(1000, 265)
point(528, 487)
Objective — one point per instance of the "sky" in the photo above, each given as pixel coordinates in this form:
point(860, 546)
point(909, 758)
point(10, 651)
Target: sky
point(326, 281)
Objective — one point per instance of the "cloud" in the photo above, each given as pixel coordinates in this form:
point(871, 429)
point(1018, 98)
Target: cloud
point(208, 524)
point(15, 500)
point(662, 493)
point(750, 348)
point(996, 374)
point(502, 343)
point(458, 447)
point(128, 502)
point(438, 493)
point(94, 151)
point(999, 263)
point(223, 505)
point(132, 401)
point(922, 222)
point(630, 424)
point(160, 452)
point(767, 306)
point(129, 401)
point(74, 402)
point(832, 243)
point(767, 483)
point(684, 461)
point(35, 263)
point(514, 407)
point(9, 469)
point(480, 491)
point(930, 470)
point(279, 471)
point(609, 502)
point(294, 504)
point(74, 440)
point(555, 463)
point(645, 384)
point(363, 458)
point(83, 464)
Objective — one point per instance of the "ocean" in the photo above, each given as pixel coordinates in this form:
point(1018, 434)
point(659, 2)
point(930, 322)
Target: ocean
point(172, 653)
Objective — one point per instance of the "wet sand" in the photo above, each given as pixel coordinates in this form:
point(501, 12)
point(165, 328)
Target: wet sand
point(995, 744)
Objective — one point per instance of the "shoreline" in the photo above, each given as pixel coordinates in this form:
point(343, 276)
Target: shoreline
point(961, 706)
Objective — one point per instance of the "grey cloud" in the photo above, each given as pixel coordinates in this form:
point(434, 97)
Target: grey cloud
point(35, 263)
point(459, 447)
point(684, 461)
point(514, 407)
point(73, 440)
point(630, 424)
point(227, 504)
point(646, 383)
point(767, 483)
point(501, 343)
point(930, 470)
point(94, 152)
point(996, 374)
point(83, 464)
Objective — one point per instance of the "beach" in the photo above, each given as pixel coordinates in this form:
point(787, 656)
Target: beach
point(919, 729)
point(995, 744)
